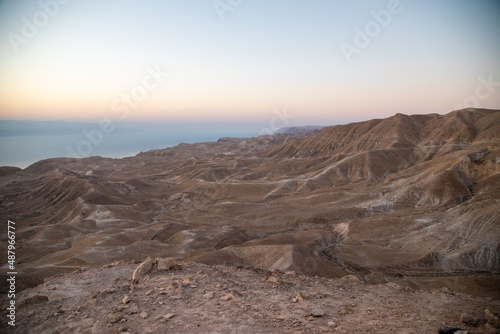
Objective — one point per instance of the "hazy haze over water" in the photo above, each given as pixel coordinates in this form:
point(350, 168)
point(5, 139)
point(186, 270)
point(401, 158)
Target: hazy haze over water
point(25, 142)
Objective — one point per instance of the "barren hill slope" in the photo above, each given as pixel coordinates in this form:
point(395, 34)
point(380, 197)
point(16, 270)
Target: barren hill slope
point(399, 131)
point(412, 199)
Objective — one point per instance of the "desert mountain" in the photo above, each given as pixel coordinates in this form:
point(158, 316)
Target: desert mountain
point(410, 199)
point(300, 129)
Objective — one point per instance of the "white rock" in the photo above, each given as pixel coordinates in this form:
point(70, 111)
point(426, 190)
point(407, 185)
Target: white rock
point(143, 268)
point(170, 315)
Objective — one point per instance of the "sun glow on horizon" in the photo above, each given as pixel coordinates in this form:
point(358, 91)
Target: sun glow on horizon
point(262, 56)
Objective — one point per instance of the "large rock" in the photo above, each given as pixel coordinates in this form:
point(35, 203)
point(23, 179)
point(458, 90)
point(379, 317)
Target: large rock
point(449, 330)
point(143, 269)
point(167, 264)
point(492, 318)
point(317, 312)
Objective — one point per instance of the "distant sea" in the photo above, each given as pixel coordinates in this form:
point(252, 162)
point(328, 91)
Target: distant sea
point(23, 143)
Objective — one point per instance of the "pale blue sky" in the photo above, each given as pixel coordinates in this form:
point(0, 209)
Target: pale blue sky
point(263, 55)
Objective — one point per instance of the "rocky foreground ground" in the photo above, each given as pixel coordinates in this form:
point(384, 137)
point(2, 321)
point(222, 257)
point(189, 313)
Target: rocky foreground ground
point(198, 298)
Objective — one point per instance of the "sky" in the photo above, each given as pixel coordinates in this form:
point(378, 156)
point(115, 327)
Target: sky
point(310, 62)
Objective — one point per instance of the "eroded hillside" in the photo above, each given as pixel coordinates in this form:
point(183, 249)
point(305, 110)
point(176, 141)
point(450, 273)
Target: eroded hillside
point(412, 199)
